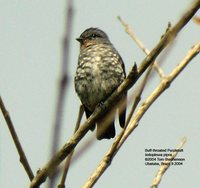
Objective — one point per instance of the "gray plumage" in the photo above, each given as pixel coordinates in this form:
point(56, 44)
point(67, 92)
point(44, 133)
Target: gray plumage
point(100, 71)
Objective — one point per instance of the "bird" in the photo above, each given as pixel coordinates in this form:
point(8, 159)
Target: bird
point(99, 72)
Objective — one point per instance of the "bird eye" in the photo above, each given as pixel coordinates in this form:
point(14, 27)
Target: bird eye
point(93, 36)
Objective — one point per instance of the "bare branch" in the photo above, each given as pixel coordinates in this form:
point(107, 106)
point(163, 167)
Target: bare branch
point(106, 161)
point(163, 168)
point(138, 96)
point(15, 138)
point(63, 84)
point(130, 32)
point(164, 84)
point(127, 83)
point(67, 163)
point(140, 44)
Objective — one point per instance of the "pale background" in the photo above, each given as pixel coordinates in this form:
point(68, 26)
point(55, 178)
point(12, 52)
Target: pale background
point(30, 59)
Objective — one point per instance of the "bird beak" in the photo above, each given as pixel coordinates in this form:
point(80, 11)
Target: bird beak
point(79, 39)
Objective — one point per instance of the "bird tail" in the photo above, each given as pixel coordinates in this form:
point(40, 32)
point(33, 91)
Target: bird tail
point(122, 110)
point(106, 126)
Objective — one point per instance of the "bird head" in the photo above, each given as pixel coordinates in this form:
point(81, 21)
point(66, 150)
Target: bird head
point(92, 36)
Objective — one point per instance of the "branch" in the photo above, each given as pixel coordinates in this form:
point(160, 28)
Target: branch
point(164, 84)
point(138, 96)
point(15, 138)
point(62, 86)
point(163, 168)
point(68, 161)
point(106, 161)
point(130, 32)
point(139, 43)
point(127, 83)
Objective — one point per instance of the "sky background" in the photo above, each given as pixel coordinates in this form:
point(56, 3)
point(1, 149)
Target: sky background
point(31, 34)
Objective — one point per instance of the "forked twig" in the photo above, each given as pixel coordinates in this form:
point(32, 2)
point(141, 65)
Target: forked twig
point(164, 84)
point(126, 84)
point(140, 44)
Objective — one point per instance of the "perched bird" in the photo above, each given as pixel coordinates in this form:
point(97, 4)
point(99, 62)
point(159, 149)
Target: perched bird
point(99, 72)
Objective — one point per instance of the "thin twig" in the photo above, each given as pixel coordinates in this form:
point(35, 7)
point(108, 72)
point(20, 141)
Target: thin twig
point(138, 96)
point(130, 32)
point(67, 163)
point(135, 104)
point(164, 84)
point(15, 138)
point(163, 168)
point(106, 161)
point(63, 84)
point(126, 84)
point(137, 99)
